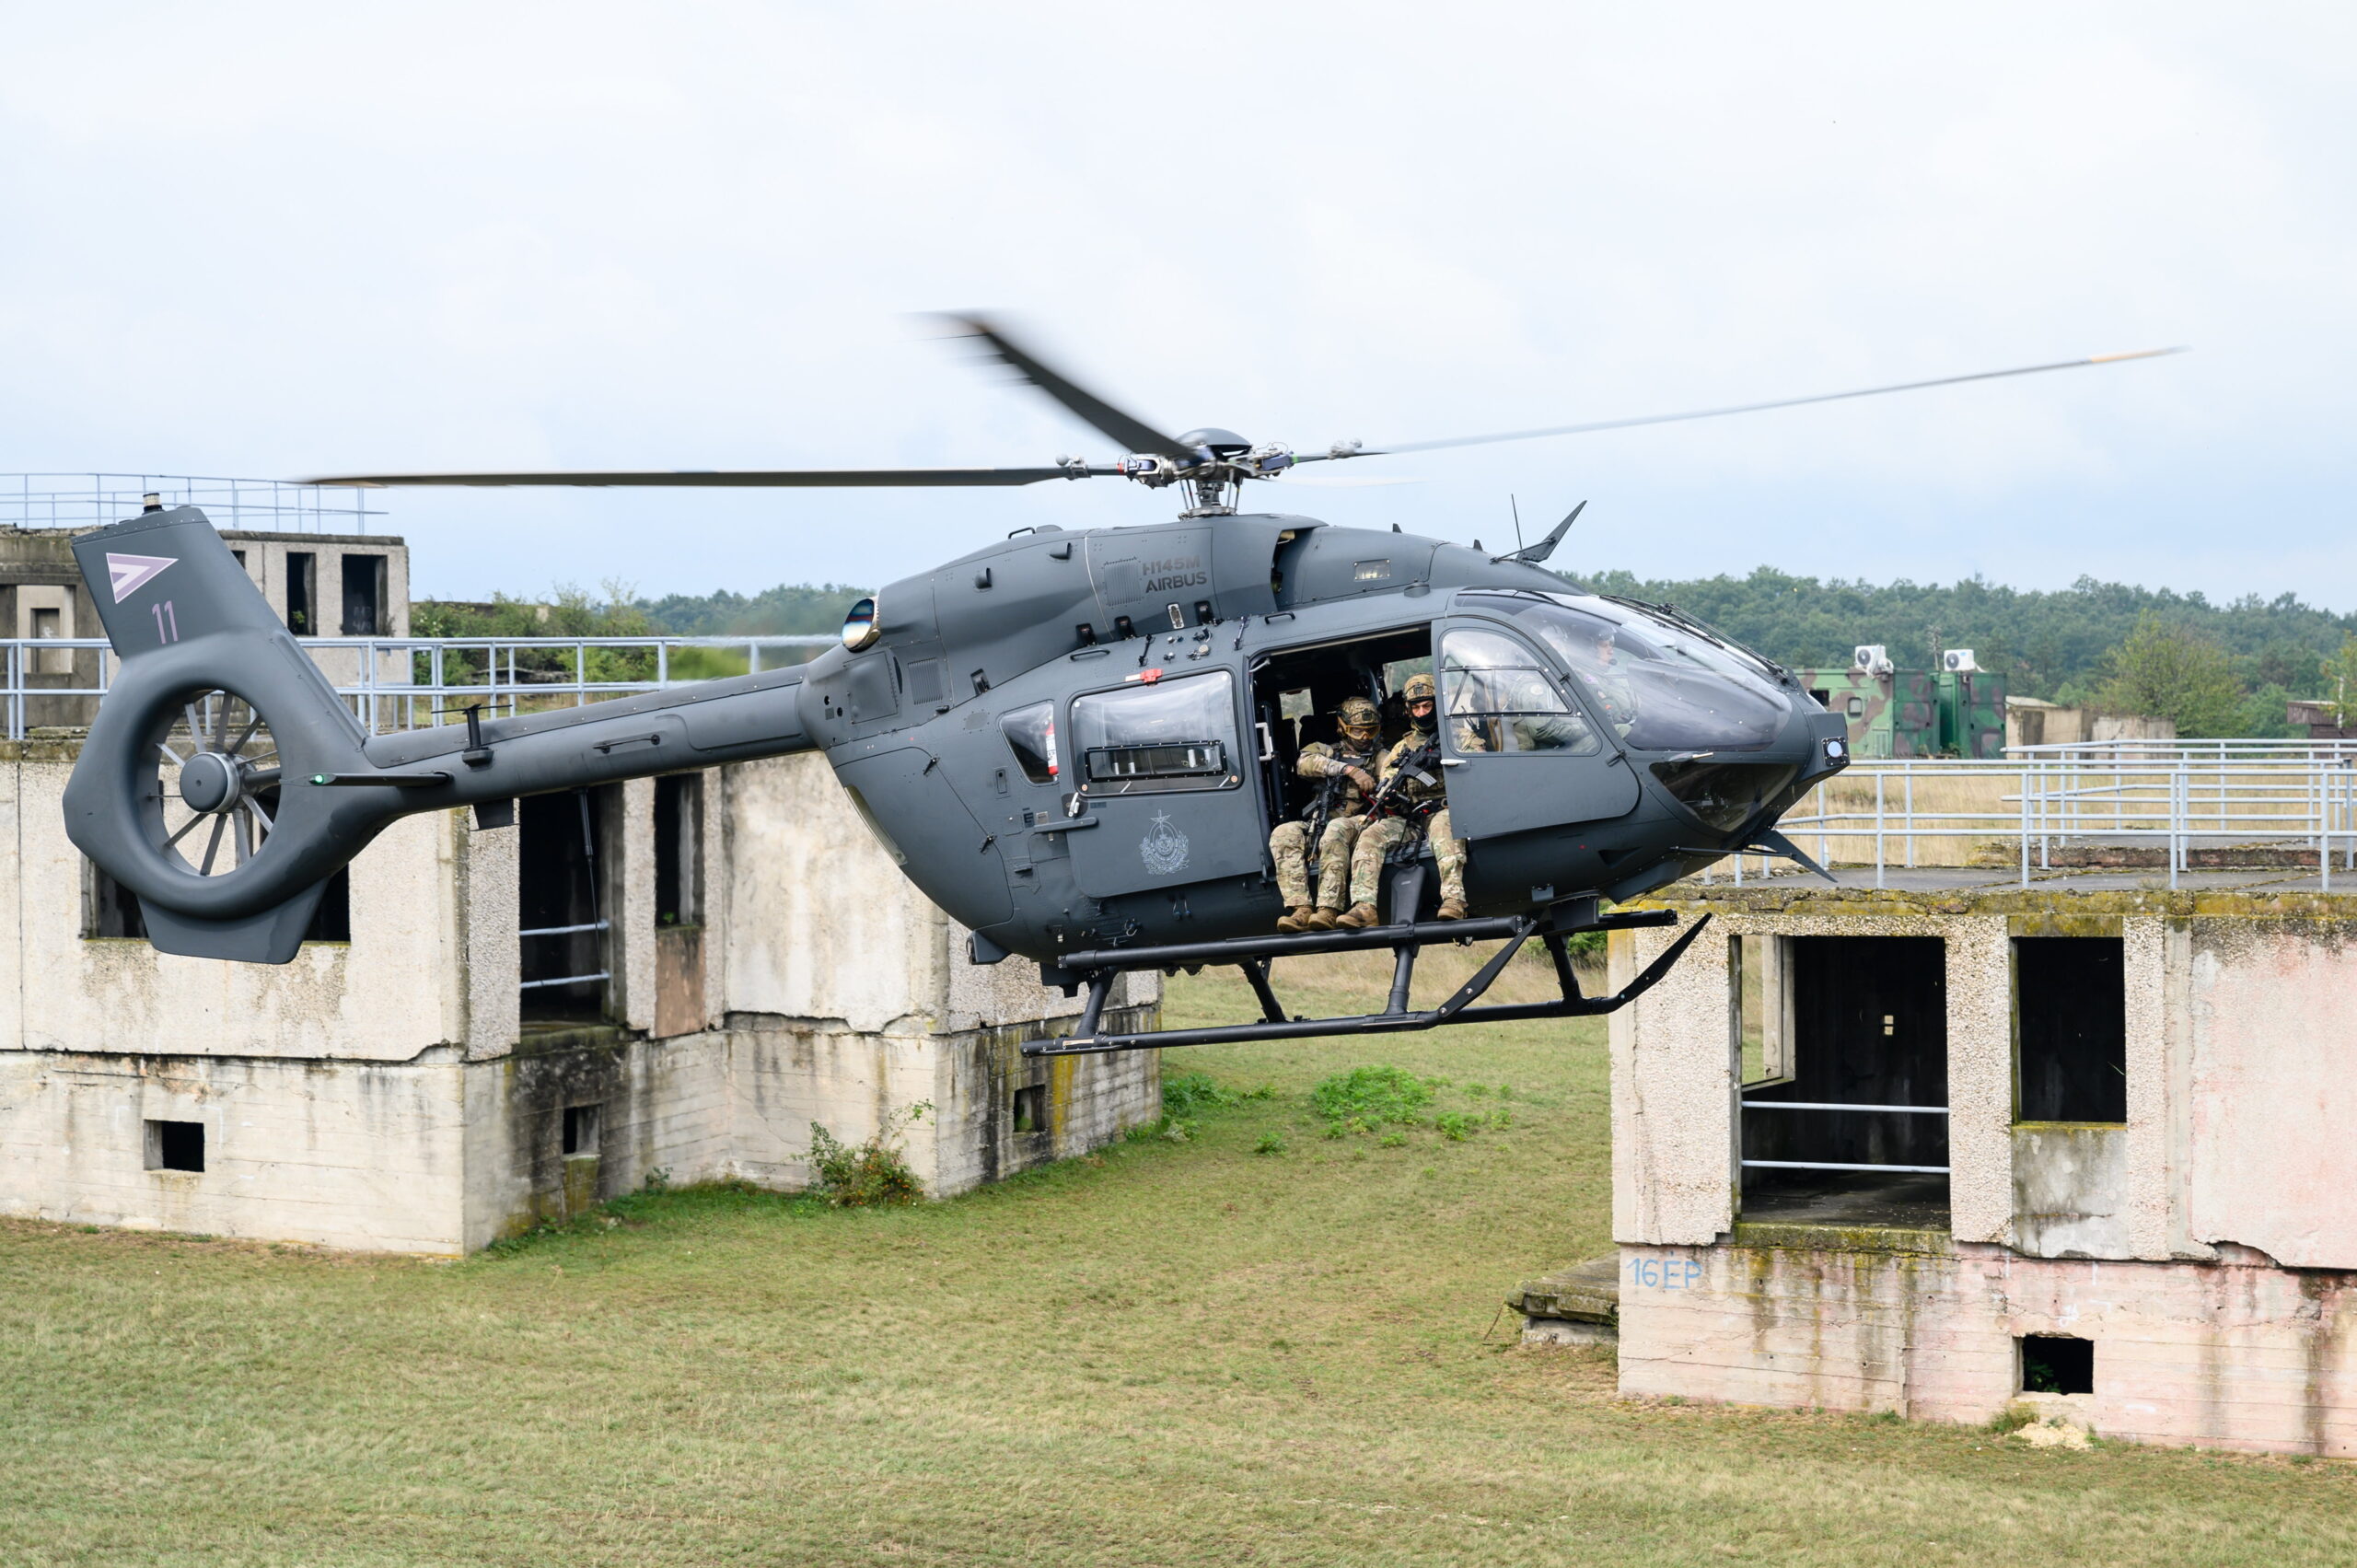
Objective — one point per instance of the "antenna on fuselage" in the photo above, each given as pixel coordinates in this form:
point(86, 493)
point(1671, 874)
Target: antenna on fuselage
point(1537, 552)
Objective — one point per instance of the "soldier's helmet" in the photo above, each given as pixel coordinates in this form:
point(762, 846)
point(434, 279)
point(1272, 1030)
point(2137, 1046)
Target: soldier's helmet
point(1358, 713)
point(1420, 688)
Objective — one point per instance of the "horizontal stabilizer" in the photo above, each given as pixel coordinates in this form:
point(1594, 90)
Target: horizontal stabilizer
point(271, 938)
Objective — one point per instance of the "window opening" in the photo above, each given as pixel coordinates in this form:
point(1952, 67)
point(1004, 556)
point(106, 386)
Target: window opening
point(364, 595)
point(110, 911)
point(559, 857)
point(302, 593)
point(1031, 1109)
point(1031, 734)
point(580, 1130)
point(2057, 1363)
point(176, 1145)
point(2069, 1028)
point(1756, 1035)
point(1147, 739)
point(1855, 1131)
point(1499, 700)
point(678, 849)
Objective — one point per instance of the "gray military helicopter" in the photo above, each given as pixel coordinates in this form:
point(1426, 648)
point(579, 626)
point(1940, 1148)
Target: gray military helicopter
point(1075, 742)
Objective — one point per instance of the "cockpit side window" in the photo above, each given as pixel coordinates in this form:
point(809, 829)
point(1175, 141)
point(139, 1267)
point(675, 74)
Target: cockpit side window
point(1146, 740)
point(1031, 734)
point(1496, 698)
point(1661, 687)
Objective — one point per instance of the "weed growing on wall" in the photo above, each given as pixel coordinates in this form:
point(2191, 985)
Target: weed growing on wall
point(852, 1175)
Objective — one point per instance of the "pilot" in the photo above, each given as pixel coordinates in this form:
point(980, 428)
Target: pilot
point(1346, 777)
point(1611, 688)
point(1410, 797)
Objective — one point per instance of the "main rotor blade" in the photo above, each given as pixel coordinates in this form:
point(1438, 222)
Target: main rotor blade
point(739, 478)
point(1133, 434)
point(1734, 408)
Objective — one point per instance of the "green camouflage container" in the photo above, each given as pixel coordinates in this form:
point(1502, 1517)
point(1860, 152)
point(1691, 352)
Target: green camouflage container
point(1889, 715)
point(1972, 712)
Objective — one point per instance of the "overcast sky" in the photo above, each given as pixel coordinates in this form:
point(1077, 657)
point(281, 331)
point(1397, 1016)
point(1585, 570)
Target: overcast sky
point(283, 240)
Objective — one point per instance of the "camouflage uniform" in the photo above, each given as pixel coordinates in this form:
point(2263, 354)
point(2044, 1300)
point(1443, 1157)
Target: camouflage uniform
point(1448, 850)
point(1347, 815)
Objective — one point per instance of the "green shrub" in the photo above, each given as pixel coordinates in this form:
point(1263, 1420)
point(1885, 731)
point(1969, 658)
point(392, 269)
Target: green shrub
point(1366, 1097)
point(853, 1176)
point(1188, 1095)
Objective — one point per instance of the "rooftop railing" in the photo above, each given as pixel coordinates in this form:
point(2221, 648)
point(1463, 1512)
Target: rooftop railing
point(399, 683)
point(2043, 808)
point(264, 505)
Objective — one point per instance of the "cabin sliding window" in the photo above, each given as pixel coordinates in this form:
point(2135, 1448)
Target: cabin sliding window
point(1032, 733)
point(1171, 736)
point(1498, 699)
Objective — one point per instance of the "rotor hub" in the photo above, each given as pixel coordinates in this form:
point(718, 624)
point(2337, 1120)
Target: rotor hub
point(209, 783)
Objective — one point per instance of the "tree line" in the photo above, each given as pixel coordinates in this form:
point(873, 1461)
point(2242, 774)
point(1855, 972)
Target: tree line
point(2216, 668)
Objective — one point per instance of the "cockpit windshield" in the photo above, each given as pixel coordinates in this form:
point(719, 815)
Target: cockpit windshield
point(1662, 687)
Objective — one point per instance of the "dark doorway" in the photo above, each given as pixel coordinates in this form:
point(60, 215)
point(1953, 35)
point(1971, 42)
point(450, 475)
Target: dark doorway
point(678, 849)
point(364, 595)
point(560, 857)
point(302, 593)
point(1868, 1028)
point(2069, 1028)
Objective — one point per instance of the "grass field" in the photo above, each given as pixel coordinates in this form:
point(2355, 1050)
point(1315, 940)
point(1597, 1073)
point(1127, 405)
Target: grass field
point(1171, 1353)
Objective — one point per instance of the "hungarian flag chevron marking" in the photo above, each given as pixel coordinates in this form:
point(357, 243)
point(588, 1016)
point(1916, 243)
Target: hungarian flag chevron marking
point(131, 573)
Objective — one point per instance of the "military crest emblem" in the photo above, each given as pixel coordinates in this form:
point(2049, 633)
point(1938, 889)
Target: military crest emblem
point(1164, 849)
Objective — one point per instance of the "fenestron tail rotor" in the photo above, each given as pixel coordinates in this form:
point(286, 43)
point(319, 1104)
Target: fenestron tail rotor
point(1212, 464)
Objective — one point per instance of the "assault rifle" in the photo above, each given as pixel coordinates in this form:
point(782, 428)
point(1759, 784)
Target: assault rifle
point(1417, 765)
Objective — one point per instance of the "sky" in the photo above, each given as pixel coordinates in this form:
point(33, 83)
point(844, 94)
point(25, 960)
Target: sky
point(285, 240)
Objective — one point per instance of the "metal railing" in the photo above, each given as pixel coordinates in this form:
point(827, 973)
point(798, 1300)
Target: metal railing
point(2041, 806)
point(399, 683)
point(1751, 1105)
point(269, 506)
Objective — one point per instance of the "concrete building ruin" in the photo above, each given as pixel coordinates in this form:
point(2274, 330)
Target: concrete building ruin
point(488, 1027)
point(1940, 1149)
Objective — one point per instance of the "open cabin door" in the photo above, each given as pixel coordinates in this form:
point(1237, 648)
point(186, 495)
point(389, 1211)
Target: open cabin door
point(1169, 786)
point(1519, 748)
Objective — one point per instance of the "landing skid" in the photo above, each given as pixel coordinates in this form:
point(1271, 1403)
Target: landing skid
point(1098, 969)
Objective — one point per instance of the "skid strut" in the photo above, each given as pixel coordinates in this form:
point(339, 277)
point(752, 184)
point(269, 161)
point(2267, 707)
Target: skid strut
point(1097, 971)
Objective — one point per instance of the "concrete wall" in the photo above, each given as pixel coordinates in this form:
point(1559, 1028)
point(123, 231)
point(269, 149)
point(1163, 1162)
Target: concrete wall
point(383, 1093)
point(2237, 1353)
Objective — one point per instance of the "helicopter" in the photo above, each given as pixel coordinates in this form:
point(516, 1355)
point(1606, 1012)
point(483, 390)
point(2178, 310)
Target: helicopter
point(1075, 742)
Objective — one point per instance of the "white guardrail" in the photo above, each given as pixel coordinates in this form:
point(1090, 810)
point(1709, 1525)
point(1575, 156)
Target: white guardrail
point(395, 683)
point(2289, 797)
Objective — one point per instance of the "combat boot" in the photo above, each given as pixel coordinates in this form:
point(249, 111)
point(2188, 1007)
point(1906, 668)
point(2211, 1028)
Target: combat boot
point(1360, 917)
point(1295, 918)
point(1324, 919)
point(1450, 909)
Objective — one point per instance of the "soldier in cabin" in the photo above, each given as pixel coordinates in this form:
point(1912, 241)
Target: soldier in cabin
point(1409, 792)
point(1345, 774)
